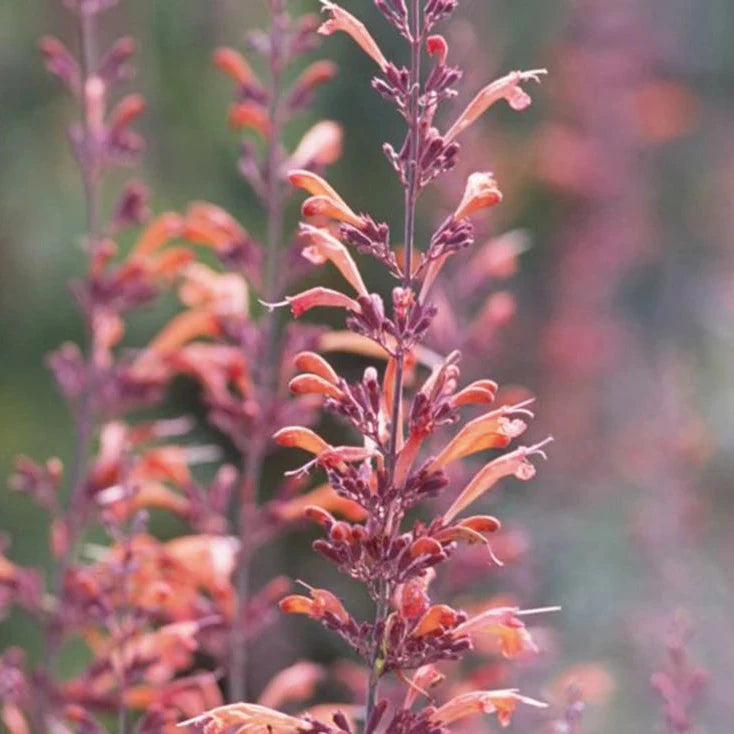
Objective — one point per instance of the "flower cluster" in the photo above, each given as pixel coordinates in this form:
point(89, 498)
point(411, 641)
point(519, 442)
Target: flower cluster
point(143, 608)
point(391, 470)
point(228, 344)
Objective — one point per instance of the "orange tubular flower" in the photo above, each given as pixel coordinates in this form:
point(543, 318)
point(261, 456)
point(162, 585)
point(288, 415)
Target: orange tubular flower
point(508, 87)
point(319, 297)
point(480, 392)
point(481, 193)
point(505, 624)
point(247, 717)
point(494, 430)
point(502, 703)
point(160, 231)
point(317, 365)
point(315, 75)
point(250, 115)
point(233, 64)
point(321, 500)
point(341, 20)
point(307, 384)
point(324, 201)
point(323, 246)
point(425, 677)
point(515, 463)
point(437, 619)
point(322, 602)
point(222, 294)
point(181, 329)
point(470, 530)
point(208, 224)
point(302, 438)
point(295, 683)
point(127, 109)
point(320, 146)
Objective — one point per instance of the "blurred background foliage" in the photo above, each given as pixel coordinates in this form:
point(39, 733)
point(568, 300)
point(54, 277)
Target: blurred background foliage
point(625, 298)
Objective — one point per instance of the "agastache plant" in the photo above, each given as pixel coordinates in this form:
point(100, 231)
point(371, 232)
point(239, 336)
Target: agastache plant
point(138, 605)
point(230, 345)
point(387, 473)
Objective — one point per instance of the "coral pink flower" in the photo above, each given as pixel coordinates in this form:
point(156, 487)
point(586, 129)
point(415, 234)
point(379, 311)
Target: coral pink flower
point(248, 717)
point(319, 297)
point(250, 115)
point(503, 703)
point(322, 246)
point(493, 430)
point(320, 146)
point(513, 464)
point(322, 602)
point(295, 683)
point(481, 193)
point(341, 20)
point(508, 87)
point(233, 63)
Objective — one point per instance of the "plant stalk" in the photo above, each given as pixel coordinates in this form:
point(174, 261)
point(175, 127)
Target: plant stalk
point(411, 198)
point(254, 457)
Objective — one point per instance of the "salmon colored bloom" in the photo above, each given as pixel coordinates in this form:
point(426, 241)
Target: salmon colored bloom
point(223, 294)
point(341, 20)
point(307, 384)
point(320, 146)
point(481, 192)
point(208, 224)
point(233, 63)
point(318, 297)
point(181, 329)
point(250, 115)
point(514, 463)
point(323, 246)
point(493, 430)
point(126, 110)
point(317, 365)
point(322, 499)
point(508, 87)
point(502, 703)
point(248, 717)
point(506, 626)
point(295, 683)
point(480, 392)
point(322, 602)
point(470, 530)
point(161, 230)
point(316, 74)
point(411, 598)
point(426, 677)
point(436, 620)
point(314, 185)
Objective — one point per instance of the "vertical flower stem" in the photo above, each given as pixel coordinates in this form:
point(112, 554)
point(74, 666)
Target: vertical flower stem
point(254, 456)
point(124, 629)
point(411, 198)
point(83, 417)
point(82, 413)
